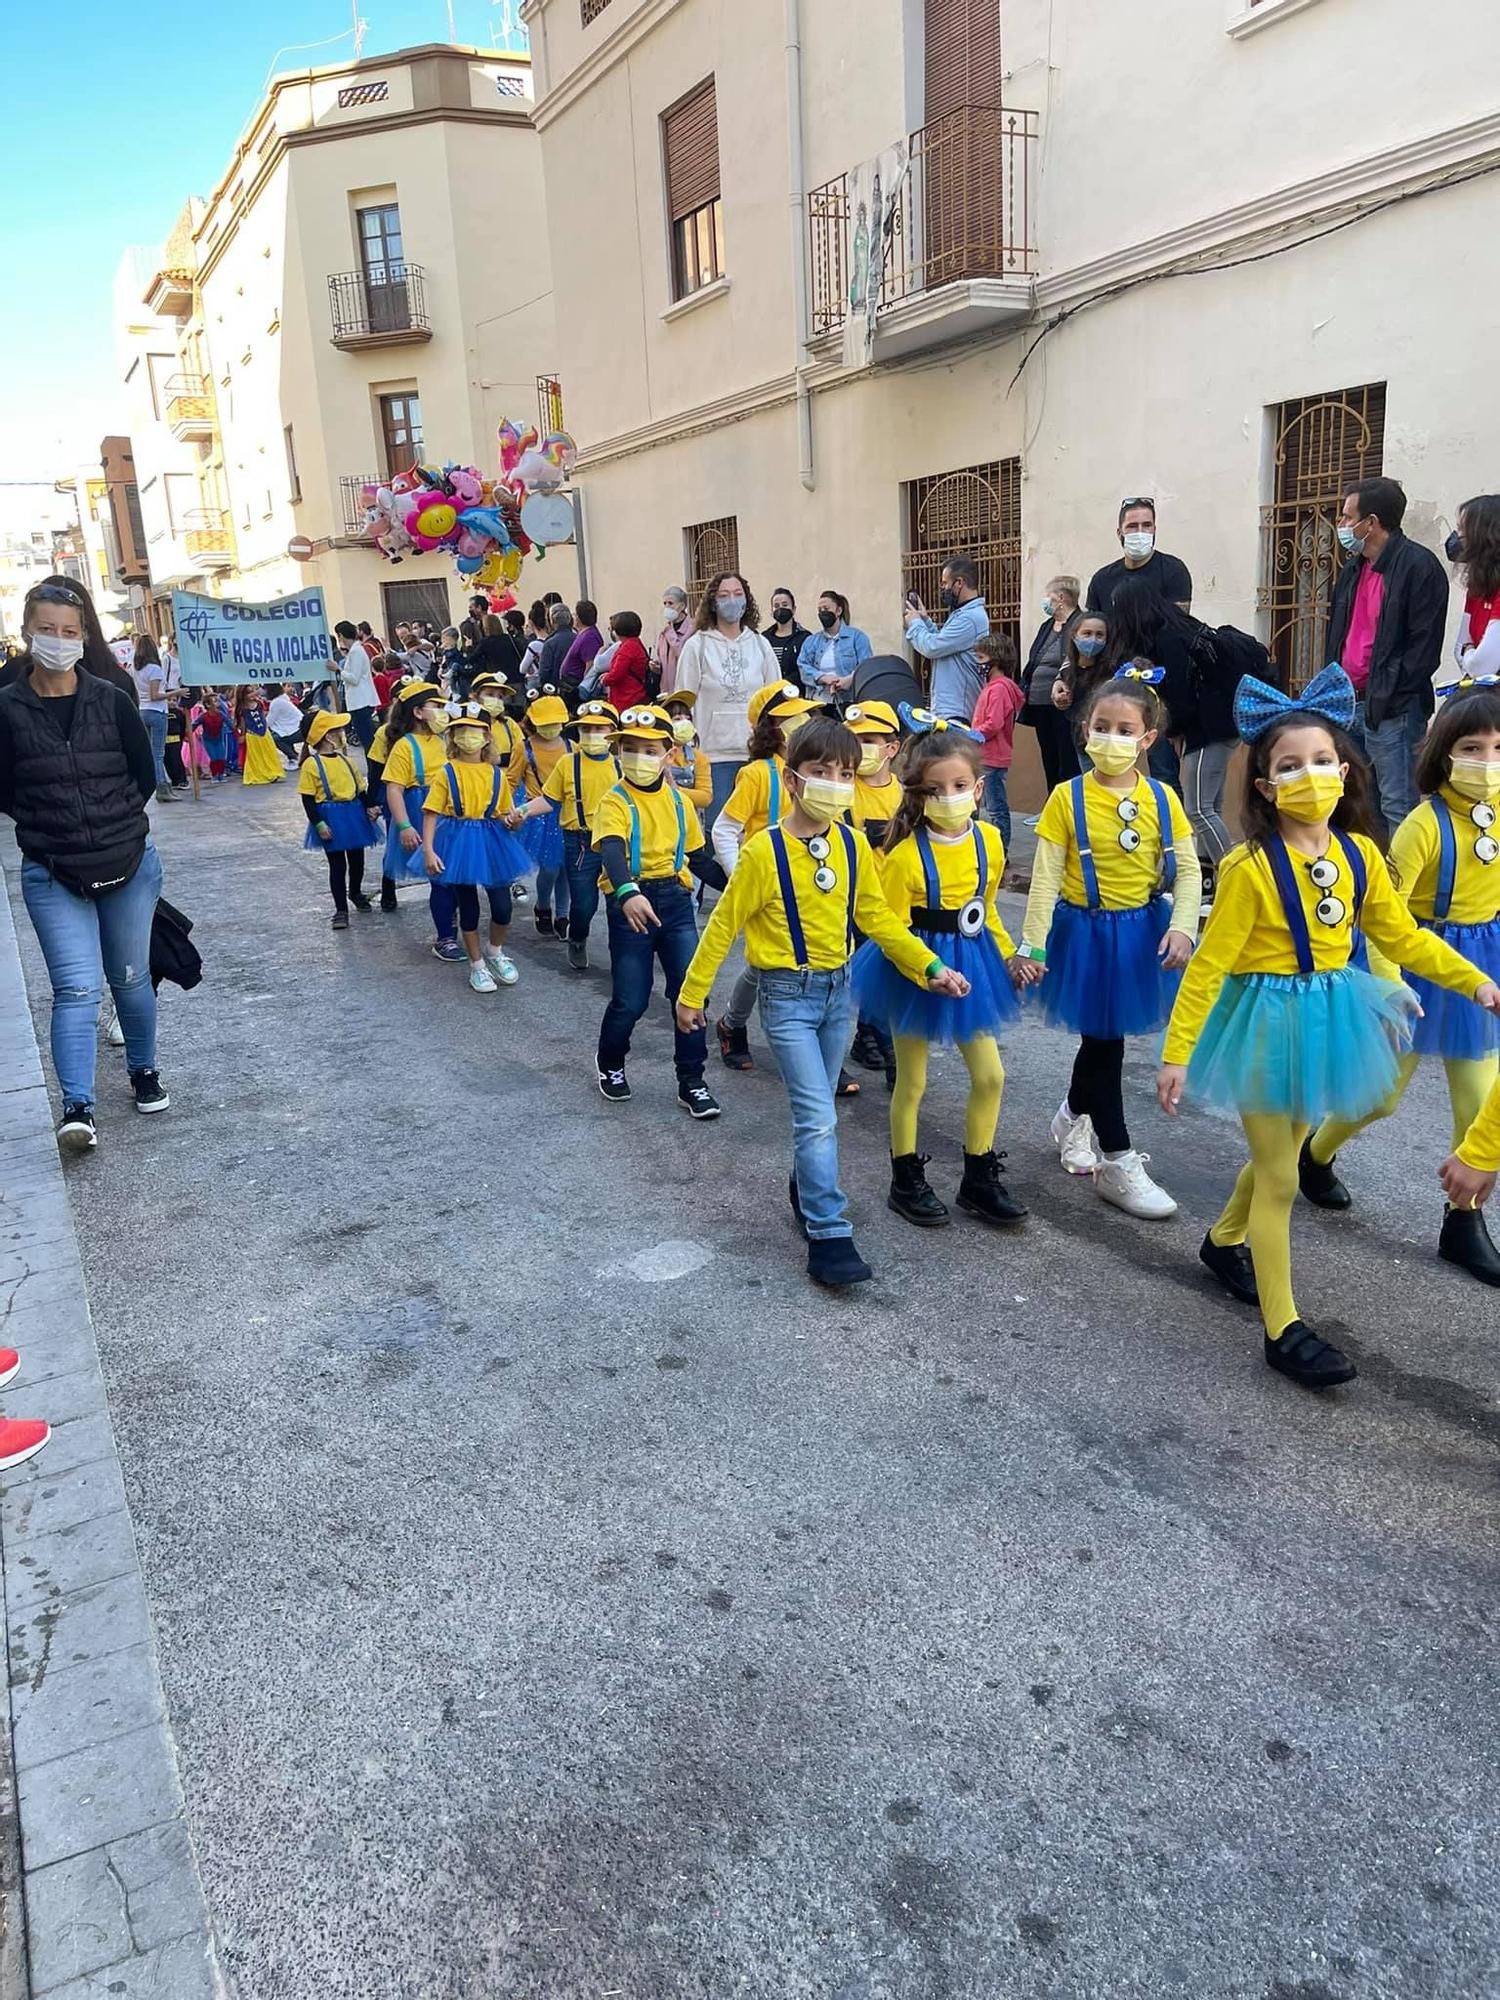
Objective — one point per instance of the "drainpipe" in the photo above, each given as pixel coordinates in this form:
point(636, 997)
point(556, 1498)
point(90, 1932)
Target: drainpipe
point(797, 204)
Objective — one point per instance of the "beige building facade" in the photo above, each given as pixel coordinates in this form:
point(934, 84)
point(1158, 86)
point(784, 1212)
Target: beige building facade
point(368, 285)
point(1219, 252)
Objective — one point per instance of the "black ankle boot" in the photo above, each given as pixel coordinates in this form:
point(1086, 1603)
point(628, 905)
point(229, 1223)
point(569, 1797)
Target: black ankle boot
point(981, 1192)
point(911, 1196)
point(1466, 1241)
point(1306, 1360)
point(866, 1050)
point(1320, 1184)
point(734, 1045)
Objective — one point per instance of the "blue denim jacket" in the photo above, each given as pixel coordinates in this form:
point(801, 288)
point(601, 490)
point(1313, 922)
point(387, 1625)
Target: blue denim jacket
point(849, 647)
point(957, 676)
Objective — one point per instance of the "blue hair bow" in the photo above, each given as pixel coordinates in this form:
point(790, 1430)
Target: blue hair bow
point(1328, 697)
point(922, 722)
point(1150, 675)
point(1466, 684)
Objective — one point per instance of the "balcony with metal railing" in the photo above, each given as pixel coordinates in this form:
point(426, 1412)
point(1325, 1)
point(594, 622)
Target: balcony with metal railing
point(956, 253)
point(353, 487)
point(385, 306)
point(207, 538)
point(190, 407)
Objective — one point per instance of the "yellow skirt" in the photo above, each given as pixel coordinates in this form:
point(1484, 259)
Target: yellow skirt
point(263, 764)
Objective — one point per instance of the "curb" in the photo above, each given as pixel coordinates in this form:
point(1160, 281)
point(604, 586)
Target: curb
point(108, 1896)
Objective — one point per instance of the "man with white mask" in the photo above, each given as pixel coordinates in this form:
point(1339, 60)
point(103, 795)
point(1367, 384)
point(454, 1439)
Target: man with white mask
point(1136, 530)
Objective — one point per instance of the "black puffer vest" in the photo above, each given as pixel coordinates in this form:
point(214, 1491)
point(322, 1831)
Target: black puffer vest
point(77, 808)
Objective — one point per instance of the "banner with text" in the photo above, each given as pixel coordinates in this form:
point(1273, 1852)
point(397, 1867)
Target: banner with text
point(220, 643)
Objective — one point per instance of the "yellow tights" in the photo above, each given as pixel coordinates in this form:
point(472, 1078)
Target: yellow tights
point(986, 1082)
point(1468, 1086)
point(1260, 1212)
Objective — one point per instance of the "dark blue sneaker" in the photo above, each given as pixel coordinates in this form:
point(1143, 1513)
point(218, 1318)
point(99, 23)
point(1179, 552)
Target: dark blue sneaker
point(450, 951)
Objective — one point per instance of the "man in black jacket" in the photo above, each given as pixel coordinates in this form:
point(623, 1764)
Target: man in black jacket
point(1385, 630)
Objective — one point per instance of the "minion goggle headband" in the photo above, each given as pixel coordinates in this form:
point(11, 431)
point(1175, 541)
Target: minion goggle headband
point(644, 722)
point(922, 722)
point(1467, 684)
point(596, 711)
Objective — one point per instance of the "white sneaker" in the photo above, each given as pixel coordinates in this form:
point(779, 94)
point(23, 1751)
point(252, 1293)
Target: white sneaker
point(503, 966)
point(116, 1035)
point(479, 978)
point(519, 893)
point(1125, 1184)
point(1074, 1140)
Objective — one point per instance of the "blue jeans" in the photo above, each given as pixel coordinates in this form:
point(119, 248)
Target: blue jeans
point(581, 863)
point(155, 720)
point(551, 890)
point(722, 775)
point(805, 1019)
point(85, 943)
point(1391, 747)
point(632, 965)
point(997, 805)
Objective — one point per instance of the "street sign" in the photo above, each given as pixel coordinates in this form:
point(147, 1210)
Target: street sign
point(300, 549)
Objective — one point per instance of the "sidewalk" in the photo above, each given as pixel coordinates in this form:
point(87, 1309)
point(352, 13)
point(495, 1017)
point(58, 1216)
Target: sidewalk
point(104, 1895)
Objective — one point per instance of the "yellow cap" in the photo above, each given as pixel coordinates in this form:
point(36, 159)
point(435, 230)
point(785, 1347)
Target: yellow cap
point(491, 681)
point(646, 722)
point(320, 726)
point(872, 718)
point(415, 688)
point(470, 712)
point(597, 711)
point(680, 697)
point(546, 710)
point(779, 699)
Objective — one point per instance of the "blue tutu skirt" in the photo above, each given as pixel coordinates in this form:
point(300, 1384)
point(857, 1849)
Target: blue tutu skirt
point(1302, 1046)
point(350, 825)
point(542, 839)
point(897, 1004)
point(1104, 978)
point(479, 853)
point(1452, 1026)
point(399, 865)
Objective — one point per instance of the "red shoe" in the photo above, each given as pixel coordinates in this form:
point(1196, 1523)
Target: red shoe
point(21, 1438)
point(10, 1365)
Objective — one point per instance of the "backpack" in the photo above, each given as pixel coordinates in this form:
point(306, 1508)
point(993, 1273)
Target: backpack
point(1240, 653)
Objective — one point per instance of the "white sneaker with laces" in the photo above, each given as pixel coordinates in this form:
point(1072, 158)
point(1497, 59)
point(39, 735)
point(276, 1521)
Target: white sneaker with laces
point(503, 966)
point(1074, 1140)
point(116, 1035)
point(1124, 1183)
point(479, 978)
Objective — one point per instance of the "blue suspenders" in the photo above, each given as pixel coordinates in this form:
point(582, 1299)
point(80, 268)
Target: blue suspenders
point(323, 781)
point(635, 832)
point(457, 797)
point(1291, 900)
point(421, 764)
point(789, 893)
point(775, 805)
point(1442, 901)
point(929, 866)
point(1086, 853)
point(583, 824)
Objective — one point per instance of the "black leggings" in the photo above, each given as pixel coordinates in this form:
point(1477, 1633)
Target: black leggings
point(1054, 738)
point(468, 905)
point(1095, 1091)
point(346, 875)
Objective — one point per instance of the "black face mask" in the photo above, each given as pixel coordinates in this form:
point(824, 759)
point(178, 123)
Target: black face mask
point(949, 600)
point(1453, 548)
point(782, 613)
point(828, 619)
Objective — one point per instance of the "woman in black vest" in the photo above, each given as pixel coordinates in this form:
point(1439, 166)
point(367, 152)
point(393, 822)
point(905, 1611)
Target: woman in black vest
point(76, 770)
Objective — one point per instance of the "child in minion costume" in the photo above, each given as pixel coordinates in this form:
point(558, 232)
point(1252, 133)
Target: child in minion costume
point(942, 871)
point(536, 756)
point(688, 769)
point(339, 822)
point(466, 843)
point(414, 749)
point(645, 831)
point(759, 799)
point(877, 797)
point(1445, 859)
point(572, 790)
point(1274, 1017)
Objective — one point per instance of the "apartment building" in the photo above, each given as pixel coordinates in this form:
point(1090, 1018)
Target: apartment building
point(368, 285)
point(1219, 252)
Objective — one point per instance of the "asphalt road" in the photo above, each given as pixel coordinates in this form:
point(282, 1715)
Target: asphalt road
point(558, 1597)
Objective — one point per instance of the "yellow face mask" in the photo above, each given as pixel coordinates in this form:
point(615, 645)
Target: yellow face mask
point(1310, 794)
point(870, 760)
point(466, 739)
point(594, 742)
point(641, 767)
point(492, 703)
point(683, 730)
point(1113, 755)
point(948, 815)
point(550, 731)
point(1475, 778)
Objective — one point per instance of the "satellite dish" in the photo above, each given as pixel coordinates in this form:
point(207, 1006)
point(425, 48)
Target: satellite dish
point(886, 677)
point(548, 518)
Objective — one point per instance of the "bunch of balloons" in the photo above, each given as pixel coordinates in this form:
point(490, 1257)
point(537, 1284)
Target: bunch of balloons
point(490, 525)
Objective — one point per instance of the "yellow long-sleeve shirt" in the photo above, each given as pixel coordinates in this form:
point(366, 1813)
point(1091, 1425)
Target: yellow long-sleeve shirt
point(1481, 1143)
point(875, 805)
point(401, 764)
point(753, 904)
point(1415, 850)
point(905, 882)
point(1126, 878)
point(597, 773)
point(476, 788)
point(690, 773)
point(660, 829)
point(750, 801)
point(1247, 932)
point(534, 769)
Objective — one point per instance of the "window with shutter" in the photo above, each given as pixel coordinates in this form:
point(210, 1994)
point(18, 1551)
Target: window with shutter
point(690, 154)
point(962, 194)
point(963, 56)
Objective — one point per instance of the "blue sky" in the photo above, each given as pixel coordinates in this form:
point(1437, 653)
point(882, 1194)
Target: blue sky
point(114, 116)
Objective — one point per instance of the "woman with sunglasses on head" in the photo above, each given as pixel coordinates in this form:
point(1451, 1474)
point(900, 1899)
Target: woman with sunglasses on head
point(76, 770)
point(98, 655)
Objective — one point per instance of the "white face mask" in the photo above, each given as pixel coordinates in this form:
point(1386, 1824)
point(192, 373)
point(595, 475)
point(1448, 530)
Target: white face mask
point(1140, 542)
point(58, 656)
